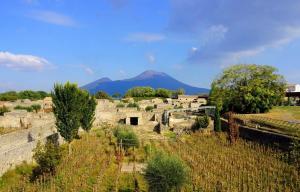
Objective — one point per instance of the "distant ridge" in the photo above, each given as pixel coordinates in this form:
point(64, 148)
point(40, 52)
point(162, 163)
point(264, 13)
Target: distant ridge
point(147, 78)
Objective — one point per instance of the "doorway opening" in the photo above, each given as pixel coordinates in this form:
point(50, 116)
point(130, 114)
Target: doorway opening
point(134, 120)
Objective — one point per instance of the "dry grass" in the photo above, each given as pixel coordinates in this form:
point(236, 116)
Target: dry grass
point(241, 167)
point(214, 163)
point(285, 113)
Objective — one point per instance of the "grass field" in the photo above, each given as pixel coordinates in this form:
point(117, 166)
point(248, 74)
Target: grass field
point(286, 113)
point(213, 161)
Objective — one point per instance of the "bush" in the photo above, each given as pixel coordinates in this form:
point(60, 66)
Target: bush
point(149, 108)
point(127, 136)
point(132, 105)
point(3, 110)
point(102, 95)
point(36, 107)
point(165, 93)
point(140, 92)
point(19, 107)
point(201, 122)
point(47, 157)
point(165, 173)
point(120, 105)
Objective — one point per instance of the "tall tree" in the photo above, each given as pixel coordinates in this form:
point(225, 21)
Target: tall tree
point(247, 89)
point(88, 112)
point(67, 102)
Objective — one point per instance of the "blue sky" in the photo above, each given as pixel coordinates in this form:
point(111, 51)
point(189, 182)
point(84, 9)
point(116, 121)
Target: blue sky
point(47, 41)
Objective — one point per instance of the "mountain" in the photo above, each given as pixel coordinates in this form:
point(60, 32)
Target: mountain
point(148, 78)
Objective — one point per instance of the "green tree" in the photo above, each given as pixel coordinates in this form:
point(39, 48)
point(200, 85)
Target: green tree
point(116, 95)
point(9, 96)
point(161, 92)
point(165, 173)
point(102, 95)
point(140, 92)
point(201, 122)
point(3, 110)
point(178, 92)
point(247, 89)
point(217, 120)
point(67, 103)
point(88, 112)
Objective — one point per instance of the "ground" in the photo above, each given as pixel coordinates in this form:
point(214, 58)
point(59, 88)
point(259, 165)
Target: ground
point(286, 113)
point(214, 164)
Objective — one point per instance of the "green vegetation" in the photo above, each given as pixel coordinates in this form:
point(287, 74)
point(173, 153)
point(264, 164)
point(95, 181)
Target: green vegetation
point(248, 89)
point(214, 164)
point(3, 110)
point(72, 108)
point(149, 108)
point(34, 107)
point(120, 105)
point(126, 137)
point(149, 92)
point(201, 122)
point(88, 112)
point(166, 173)
point(217, 120)
point(133, 105)
point(47, 157)
point(27, 94)
point(102, 95)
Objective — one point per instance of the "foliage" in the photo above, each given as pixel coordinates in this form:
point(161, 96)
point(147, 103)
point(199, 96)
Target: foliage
point(36, 107)
point(217, 120)
point(27, 94)
point(201, 122)
point(140, 92)
point(47, 157)
point(3, 110)
point(165, 173)
point(120, 105)
point(9, 96)
point(67, 102)
point(133, 105)
point(19, 107)
point(102, 95)
point(178, 92)
point(247, 89)
point(88, 112)
point(161, 92)
point(32, 95)
point(127, 136)
point(149, 108)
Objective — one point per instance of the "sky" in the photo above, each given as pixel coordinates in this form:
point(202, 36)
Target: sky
point(43, 42)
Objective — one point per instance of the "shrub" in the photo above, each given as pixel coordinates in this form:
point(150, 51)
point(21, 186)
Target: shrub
point(127, 137)
point(120, 105)
point(161, 92)
point(36, 107)
point(165, 173)
point(3, 110)
point(102, 95)
point(201, 122)
point(132, 105)
point(47, 157)
point(19, 107)
point(149, 108)
point(140, 92)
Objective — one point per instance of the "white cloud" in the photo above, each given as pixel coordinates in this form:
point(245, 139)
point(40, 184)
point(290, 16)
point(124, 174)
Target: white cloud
point(22, 62)
point(87, 70)
point(53, 18)
point(150, 58)
point(145, 37)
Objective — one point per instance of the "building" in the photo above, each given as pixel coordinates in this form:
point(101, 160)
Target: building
point(293, 88)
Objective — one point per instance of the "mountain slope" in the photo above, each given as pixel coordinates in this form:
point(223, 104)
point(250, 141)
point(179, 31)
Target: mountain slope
point(148, 78)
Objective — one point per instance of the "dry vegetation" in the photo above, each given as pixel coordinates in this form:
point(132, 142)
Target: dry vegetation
point(214, 164)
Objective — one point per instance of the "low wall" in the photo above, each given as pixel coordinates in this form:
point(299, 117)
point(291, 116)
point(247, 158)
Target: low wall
point(275, 140)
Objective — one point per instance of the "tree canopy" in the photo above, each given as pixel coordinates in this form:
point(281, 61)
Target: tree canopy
point(102, 95)
point(26, 94)
point(247, 89)
point(150, 92)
